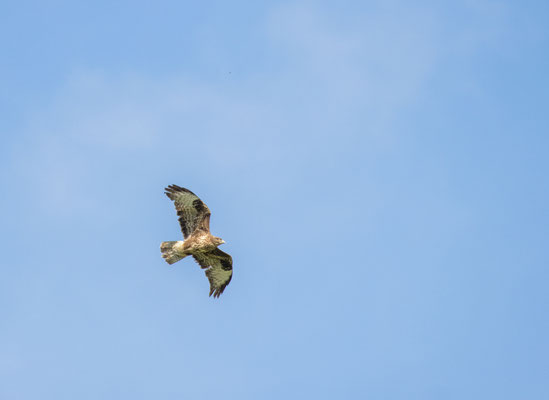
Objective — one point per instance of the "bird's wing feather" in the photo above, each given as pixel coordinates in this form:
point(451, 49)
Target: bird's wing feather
point(219, 269)
point(192, 212)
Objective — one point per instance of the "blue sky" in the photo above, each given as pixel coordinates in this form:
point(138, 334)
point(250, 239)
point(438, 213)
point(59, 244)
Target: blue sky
point(377, 169)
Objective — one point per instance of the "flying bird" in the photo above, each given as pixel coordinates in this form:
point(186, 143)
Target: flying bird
point(194, 218)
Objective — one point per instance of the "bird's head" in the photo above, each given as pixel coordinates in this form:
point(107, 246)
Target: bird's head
point(218, 241)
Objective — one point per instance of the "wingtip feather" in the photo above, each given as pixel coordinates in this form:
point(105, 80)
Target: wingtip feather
point(171, 191)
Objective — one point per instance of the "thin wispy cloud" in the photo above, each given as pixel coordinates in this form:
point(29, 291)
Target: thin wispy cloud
point(373, 166)
point(351, 80)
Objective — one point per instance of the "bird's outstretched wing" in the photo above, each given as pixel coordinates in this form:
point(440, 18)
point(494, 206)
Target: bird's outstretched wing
point(192, 212)
point(219, 269)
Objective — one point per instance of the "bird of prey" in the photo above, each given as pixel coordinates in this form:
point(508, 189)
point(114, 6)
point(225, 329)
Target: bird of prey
point(194, 218)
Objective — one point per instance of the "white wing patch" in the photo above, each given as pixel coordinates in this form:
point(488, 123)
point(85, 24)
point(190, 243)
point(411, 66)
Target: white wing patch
point(219, 269)
point(190, 209)
point(219, 279)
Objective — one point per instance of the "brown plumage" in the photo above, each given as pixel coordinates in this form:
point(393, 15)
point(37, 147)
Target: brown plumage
point(194, 219)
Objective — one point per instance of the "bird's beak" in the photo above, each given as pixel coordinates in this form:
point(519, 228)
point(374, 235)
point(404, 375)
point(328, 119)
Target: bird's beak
point(222, 241)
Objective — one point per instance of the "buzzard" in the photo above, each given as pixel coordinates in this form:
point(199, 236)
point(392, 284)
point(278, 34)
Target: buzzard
point(194, 218)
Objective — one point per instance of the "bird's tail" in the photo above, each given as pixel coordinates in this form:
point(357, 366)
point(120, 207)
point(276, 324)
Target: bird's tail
point(169, 252)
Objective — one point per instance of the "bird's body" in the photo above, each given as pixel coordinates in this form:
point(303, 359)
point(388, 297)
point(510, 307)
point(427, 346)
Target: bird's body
point(194, 218)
